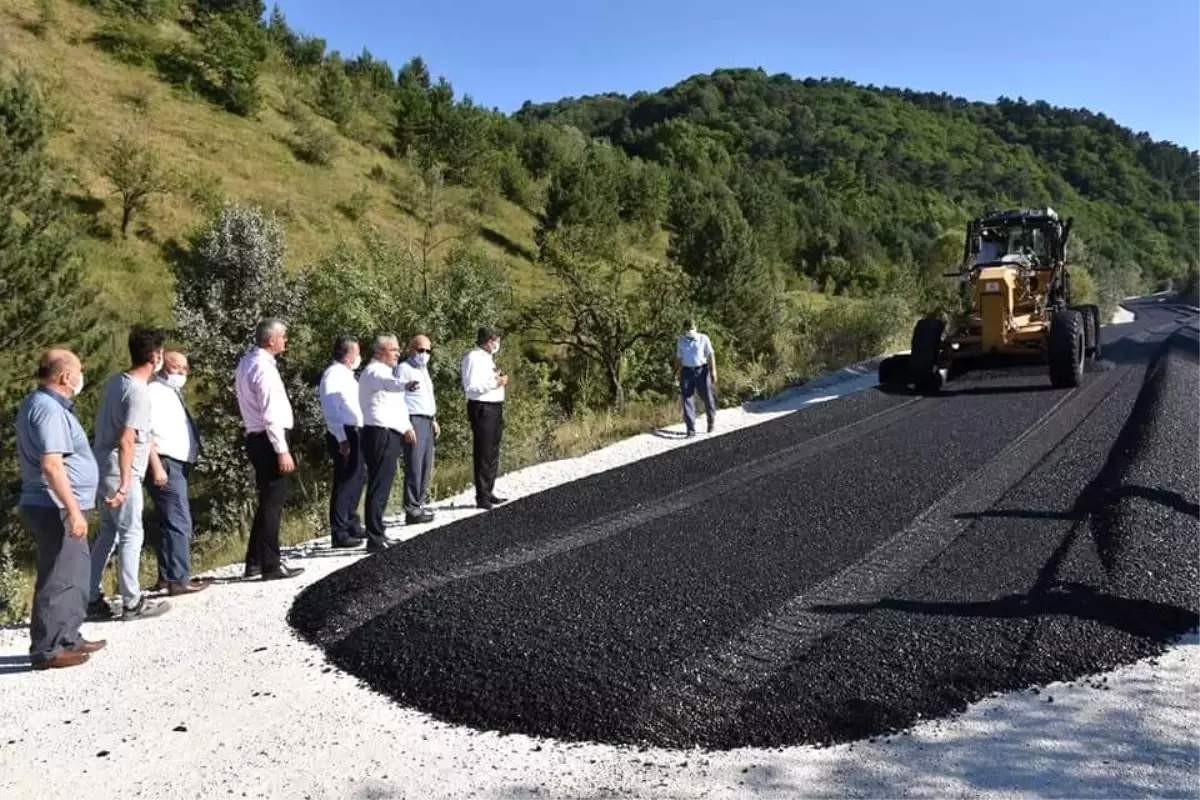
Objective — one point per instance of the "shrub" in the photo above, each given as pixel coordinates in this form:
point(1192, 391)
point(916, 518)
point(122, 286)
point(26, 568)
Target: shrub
point(313, 144)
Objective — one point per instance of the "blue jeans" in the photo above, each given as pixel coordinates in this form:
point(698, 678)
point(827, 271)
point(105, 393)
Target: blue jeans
point(692, 380)
point(174, 522)
point(120, 529)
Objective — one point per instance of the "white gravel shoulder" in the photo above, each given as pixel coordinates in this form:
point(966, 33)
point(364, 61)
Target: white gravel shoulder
point(218, 698)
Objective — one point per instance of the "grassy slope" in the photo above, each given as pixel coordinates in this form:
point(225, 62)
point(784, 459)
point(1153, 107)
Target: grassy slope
point(250, 158)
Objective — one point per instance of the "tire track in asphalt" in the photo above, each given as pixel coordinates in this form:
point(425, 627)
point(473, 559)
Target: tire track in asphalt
point(762, 649)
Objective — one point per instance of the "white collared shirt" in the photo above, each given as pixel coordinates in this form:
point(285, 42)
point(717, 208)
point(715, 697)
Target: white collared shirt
point(339, 400)
point(479, 379)
point(694, 352)
point(262, 397)
point(420, 402)
point(170, 425)
point(381, 396)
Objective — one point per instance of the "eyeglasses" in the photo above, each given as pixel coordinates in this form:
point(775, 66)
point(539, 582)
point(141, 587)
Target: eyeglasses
point(424, 349)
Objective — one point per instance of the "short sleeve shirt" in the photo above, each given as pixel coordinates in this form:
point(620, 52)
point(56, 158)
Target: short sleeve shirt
point(46, 424)
point(124, 403)
point(694, 352)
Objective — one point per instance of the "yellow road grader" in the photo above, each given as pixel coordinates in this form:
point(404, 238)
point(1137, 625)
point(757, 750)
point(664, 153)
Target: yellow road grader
point(1015, 279)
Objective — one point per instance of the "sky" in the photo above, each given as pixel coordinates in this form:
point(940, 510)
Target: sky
point(1137, 62)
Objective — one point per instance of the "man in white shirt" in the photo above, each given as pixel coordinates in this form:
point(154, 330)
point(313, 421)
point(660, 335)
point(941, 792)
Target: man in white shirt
point(696, 369)
point(175, 452)
point(267, 417)
point(385, 428)
point(422, 413)
point(343, 425)
point(483, 383)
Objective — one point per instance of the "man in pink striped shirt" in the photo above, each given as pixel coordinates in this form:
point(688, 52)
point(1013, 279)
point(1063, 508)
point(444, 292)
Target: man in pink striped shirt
point(267, 417)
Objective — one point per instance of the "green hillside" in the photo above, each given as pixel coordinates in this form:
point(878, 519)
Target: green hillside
point(197, 163)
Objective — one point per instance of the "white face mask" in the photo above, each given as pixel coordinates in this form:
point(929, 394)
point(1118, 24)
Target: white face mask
point(423, 359)
point(158, 365)
point(77, 387)
point(357, 363)
point(496, 348)
point(691, 334)
point(176, 381)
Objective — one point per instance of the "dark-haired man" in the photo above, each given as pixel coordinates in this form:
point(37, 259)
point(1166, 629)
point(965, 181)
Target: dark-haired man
point(121, 443)
point(343, 426)
point(483, 383)
point(58, 489)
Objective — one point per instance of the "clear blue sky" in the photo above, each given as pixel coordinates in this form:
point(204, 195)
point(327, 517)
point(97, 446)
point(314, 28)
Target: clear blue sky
point(1137, 62)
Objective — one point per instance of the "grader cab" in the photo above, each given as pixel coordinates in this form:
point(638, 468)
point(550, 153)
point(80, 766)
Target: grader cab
point(1017, 287)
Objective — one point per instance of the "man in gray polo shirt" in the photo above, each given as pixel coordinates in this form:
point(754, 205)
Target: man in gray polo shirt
point(58, 489)
point(121, 442)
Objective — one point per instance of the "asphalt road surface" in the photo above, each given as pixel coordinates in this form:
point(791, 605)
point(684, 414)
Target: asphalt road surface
point(834, 574)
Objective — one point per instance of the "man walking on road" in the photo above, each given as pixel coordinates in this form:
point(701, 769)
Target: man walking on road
point(385, 428)
point(696, 369)
point(422, 412)
point(122, 444)
point(175, 452)
point(343, 426)
point(483, 383)
point(267, 417)
point(59, 481)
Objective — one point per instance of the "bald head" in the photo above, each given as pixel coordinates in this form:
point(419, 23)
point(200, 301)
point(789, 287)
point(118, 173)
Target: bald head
point(61, 371)
point(175, 362)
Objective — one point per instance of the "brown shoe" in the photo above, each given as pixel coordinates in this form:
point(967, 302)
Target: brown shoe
point(65, 658)
point(84, 646)
point(191, 587)
point(161, 586)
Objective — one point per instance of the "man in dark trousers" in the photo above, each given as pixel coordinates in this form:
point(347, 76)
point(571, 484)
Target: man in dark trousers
point(59, 480)
point(174, 454)
point(386, 428)
point(267, 416)
point(696, 369)
point(343, 428)
point(422, 412)
point(483, 383)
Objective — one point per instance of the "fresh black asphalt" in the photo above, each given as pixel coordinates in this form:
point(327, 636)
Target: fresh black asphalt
point(830, 575)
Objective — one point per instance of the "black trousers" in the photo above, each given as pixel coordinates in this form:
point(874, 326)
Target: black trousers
point(487, 428)
point(349, 477)
point(381, 451)
point(262, 551)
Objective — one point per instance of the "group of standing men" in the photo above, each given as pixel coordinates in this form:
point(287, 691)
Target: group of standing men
point(388, 414)
point(144, 434)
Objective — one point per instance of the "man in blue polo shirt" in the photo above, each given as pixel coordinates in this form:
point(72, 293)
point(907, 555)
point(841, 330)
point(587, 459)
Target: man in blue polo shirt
point(696, 368)
point(59, 479)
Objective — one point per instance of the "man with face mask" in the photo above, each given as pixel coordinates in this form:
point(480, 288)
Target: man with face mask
point(343, 428)
point(422, 412)
point(696, 370)
point(59, 480)
point(174, 452)
point(121, 442)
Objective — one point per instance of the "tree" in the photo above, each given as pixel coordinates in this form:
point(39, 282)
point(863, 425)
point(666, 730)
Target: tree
point(45, 298)
point(605, 303)
point(232, 278)
point(334, 93)
point(435, 210)
point(135, 170)
point(232, 47)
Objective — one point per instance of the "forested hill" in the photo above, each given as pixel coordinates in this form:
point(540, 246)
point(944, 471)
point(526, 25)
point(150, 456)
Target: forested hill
point(848, 182)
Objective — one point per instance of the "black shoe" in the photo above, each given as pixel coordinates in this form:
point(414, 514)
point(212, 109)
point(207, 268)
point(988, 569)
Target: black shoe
point(349, 541)
point(99, 611)
point(498, 500)
point(378, 547)
point(486, 505)
point(418, 519)
point(284, 572)
point(252, 572)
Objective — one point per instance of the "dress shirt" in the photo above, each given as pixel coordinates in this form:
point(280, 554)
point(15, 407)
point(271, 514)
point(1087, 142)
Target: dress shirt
point(479, 379)
point(262, 398)
point(694, 351)
point(339, 400)
point(381, 395)
point(420, 402)
point(171, 426)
